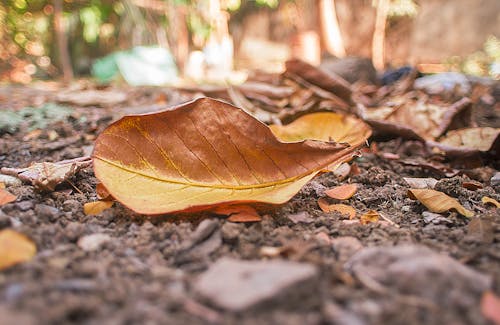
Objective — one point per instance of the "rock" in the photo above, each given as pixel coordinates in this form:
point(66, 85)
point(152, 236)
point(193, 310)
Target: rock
point(24, 205)
point(345, 247)
point(407, 269)
point(47, 212)
point(445, 82)
point(231, 231)
point(241, 285)
point(93, 242)
point(351, 69)
point(495, 180)
point(300, 217)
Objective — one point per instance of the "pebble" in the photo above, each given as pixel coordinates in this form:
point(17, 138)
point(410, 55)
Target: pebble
point(10, 180)
point(237, 285)
point(24, 205)
point(301, 217)
point(408, 268)
point(47, 212)
point(71, 205)
point(345, 247)
point(495, 180)
point(93, 242)
point(231, 231)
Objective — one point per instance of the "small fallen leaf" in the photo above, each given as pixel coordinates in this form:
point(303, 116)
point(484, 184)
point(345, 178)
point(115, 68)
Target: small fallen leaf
point(102, 192)
point(489, 200)
point(93, 208)
point(472, 185)
point(342, 192)
point(324, 126)
point(469, 139)
point(6, 197)
point(490, 307)
point(482, 229)
point(202, 154)
point(420, 183)
point(238, 213)
point(370, 216)
point(437, 201)
point(15, 248)
point(340, 208)
point(46, 176)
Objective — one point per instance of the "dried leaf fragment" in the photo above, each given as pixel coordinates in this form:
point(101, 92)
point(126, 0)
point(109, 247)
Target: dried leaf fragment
point(202, 154)
point(489, 200)
point(370, 216)
point(6, 196)
point(46, 176)
point(15, 248)
point(342, 192)
point(490, 307)
point(93, 208)
point(238, 213)
point(438, 202)
point(102, 192)
point(425, 182)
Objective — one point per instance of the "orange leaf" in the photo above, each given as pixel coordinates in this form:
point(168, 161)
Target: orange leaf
point(102, 192)
point(438, 202)
point(93, 208)
point(201, 154)
point(6, 197)
point(342, 192)
point(490, 307)
point(489, 200)
point(238, 213)
point(15, 248)
point(369, 217)
point(324, 126)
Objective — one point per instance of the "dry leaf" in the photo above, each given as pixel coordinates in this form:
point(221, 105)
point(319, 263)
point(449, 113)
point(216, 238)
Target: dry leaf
point(370, 216)
point(490, 307)
point(469, 141)
point(15, 248)
point(438, 202)
point(6, 197)
point(204, 153)
point(472, 185)
point(420, 183)
point(342, 192)
point(324, 126)
point(489, 200)
point(46, 176)
point(238, 213)
point(93, 208)
point(102, 192)
point(482, 229)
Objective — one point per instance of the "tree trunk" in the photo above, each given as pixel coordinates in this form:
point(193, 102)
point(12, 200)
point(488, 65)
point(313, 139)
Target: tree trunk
point(62, 41)
point(378, 56)
point(330, 29)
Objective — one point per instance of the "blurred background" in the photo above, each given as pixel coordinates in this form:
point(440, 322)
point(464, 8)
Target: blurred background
point(153, 42)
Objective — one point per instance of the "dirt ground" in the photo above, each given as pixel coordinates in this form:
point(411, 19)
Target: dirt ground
point(148, 269)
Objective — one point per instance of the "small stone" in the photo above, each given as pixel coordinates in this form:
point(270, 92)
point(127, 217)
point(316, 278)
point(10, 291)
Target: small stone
point(24, 205)
point(231, 231)
point(47, 212)
point(71, 205)
point(93, 242)
point(240, 285)
point(408, 268)
point(495, 180)
point(300, 217)
point(345, 247)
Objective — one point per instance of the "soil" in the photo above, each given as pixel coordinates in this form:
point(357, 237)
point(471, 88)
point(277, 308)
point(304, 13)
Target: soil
point(145, 274)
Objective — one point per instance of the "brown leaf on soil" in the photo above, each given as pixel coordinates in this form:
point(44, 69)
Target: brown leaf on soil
point(202, 154)
point(438, 202)
point(324, 126)
point(15, 248)
point(472, 185)
point(238, 213)
point(340, 208)
point(482, 229)
point(93, 208)
point(490, 307)
point(342, 192)
point(489, 200)
point(470, 141)
point(46, 176)
point(325, 80)
point(6, 197)
point(102, 192)
point(370, 216)
point(419, 183)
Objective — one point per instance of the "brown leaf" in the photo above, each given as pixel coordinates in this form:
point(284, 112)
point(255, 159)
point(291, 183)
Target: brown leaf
point(342, 192)
point(490, 307)
point(15, 248)
point(93, 208)
point(239, 213)
point(202, 154)
point(481, 228)
point(102, 192)
point(489, 200)
point(438, 202)
point(370, 216)
point(472, 185)
point(6, 197)
point(325, 80)
point(469, 141)
point(46, 176)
